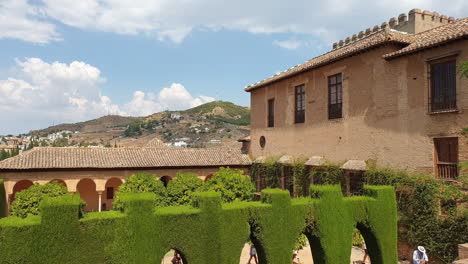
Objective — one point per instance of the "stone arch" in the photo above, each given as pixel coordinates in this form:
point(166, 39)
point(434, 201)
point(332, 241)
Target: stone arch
point(165, 180)
point(373, 249)
point(59, 181)
point(208, 177)
point(87, 189)
point(318, 253)
point(258, 245)
point(109, 193)
point(20, 186)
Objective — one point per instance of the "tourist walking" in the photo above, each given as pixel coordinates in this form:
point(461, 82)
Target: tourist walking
point(253, 254)
point(177, 259)
point(420, 256)
point(364, 248)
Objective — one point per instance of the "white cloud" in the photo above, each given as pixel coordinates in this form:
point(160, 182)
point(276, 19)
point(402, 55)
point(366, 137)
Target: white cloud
point(174, 20)
point(58, 92)
point(288, 44)
point(175, 97)
point(20, 20)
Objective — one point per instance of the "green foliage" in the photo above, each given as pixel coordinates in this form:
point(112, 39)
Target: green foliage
point(232, 184)
point(60, 142)
point(181, 189)
point(3, 201)
point(133, 129)
point(142, 183)
point(27, 202)
point(209, 232)
point(418, 198)
point(329, 174)
point(358, 240)
point(301, 178)
point(463, 69)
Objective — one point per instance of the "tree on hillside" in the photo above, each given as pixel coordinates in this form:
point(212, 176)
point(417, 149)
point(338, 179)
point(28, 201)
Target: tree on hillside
point(232, 184)
point(140, 183)
point(27, 202)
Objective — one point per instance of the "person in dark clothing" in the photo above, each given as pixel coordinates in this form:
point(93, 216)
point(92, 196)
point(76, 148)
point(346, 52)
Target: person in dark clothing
point(177, 259)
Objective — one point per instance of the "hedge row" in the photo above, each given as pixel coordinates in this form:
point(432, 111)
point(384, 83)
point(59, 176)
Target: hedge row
point(207, 232)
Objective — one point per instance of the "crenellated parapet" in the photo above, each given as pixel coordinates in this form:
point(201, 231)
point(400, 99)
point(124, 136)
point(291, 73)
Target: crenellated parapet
point(415, 21)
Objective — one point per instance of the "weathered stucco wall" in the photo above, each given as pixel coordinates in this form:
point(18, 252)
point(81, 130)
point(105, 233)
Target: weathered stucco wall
point(385, 112)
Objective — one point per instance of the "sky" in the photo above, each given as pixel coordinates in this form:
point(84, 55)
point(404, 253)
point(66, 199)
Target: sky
point(64, 61)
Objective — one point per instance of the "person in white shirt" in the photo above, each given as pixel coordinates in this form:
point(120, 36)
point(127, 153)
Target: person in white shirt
point(420, 256)
point(253, 254)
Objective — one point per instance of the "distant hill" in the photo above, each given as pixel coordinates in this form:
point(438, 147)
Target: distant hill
point(208, 125)
point(95, 125)
point(222, 111)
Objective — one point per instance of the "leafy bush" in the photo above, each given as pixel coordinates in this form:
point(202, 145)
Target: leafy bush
point(181, 188)
point(232, 184)
point(418, 198)
point(27, 202)
point(142, 183)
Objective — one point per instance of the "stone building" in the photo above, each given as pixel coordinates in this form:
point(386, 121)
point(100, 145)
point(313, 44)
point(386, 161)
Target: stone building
point(97, 172)
point(389, 95)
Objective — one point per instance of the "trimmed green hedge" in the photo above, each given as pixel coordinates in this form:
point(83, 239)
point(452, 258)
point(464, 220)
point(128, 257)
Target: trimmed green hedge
point(207, 232)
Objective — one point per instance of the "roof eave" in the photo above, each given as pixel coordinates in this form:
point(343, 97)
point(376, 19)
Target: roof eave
point(396, 55)
point(371, 47)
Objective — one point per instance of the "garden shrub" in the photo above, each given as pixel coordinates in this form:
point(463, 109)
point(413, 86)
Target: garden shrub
point(232, 184)
point(418, 198)
point(207, 232)
point(27, 201)
point(141, 183)
point(182, 187)
point(301, 178)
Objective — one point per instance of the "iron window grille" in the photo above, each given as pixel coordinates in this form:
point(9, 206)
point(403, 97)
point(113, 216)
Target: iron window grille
point(335, 97)
point(443, 92)
point(299, 114)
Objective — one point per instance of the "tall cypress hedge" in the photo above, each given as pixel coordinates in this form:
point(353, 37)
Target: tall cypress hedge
point(207, 232)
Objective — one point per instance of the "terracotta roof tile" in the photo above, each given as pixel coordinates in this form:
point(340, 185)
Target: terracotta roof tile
point(434, 37)
point(373, 40)
point(75, 158)
point(412, 42)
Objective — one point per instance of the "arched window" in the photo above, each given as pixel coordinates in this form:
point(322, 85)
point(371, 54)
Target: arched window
point(21, 186)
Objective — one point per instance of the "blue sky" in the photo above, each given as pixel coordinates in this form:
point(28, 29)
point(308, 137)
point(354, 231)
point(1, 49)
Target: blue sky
point(68, 61)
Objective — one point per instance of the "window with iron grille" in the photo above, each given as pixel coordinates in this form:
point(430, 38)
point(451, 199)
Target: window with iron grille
point(446, 157)
point(443, 92)
point(271, 113)
point(335, 97)
point(299, 113)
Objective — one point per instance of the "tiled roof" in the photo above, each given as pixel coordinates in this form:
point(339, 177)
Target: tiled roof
point(373, 40)
point(434, 37)
point(412, 43)
point(76, 158)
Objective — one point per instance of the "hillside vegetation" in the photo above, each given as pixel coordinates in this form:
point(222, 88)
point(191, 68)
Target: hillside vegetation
point(95, 125)
point(223, 111)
